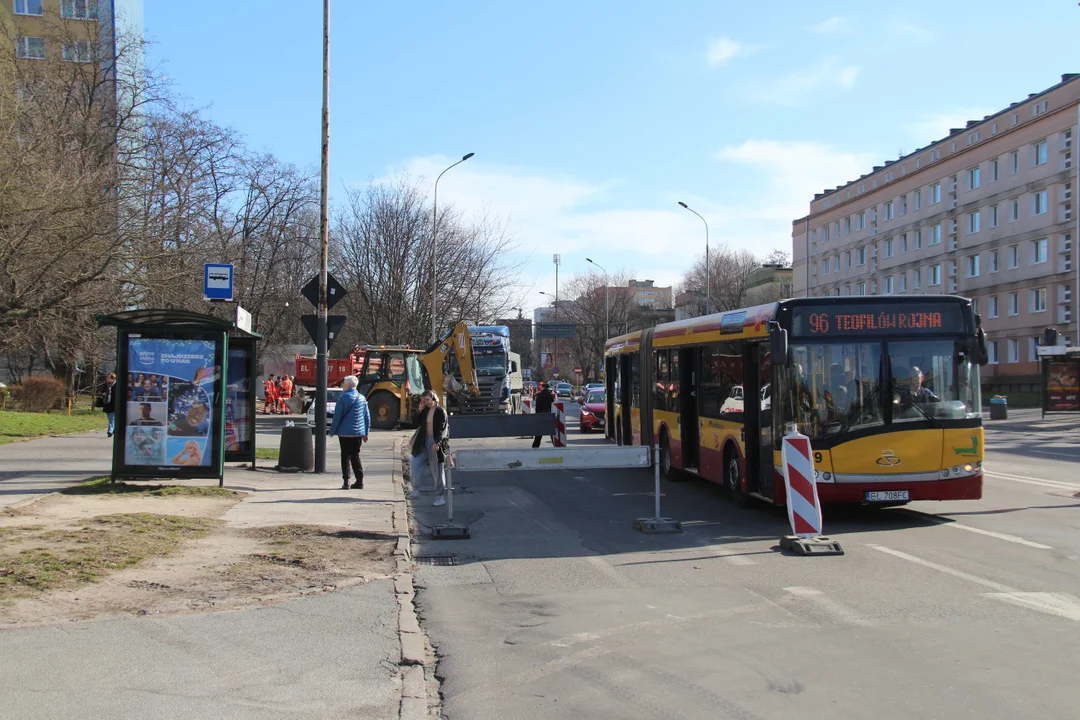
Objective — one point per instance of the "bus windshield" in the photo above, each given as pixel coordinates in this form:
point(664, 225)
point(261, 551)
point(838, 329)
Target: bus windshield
point(835, 388)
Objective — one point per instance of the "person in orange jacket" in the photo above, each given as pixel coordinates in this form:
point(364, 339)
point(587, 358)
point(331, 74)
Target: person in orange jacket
point(286, 393)
point(269, 396)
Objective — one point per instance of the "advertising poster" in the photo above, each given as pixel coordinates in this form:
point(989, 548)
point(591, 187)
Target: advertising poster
point(1063, 386)
point(170, 400)
point(238, 401)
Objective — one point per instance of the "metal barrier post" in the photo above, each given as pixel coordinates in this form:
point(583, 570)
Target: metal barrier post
point(657, 525)
point(450, 531)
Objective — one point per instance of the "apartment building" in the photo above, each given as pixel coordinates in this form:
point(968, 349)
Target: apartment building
point(987, 213)
point(644, 292)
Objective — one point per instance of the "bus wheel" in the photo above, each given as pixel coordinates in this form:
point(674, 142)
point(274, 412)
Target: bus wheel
point(385, 411)
point(733, 480)
point(618, 434)
point(665, 457)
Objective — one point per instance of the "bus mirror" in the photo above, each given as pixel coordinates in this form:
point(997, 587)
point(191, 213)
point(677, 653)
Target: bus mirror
point(778, 341)
point(983, 353)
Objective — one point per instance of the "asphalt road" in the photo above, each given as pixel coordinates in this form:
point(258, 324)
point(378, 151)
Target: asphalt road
point(557, 608)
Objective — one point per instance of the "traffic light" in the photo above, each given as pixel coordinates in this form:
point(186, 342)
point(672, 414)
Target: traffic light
point(1050, 336)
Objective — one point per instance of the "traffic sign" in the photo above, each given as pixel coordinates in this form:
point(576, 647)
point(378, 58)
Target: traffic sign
point(217, 281)
point(334, 323)
point(334, 291)
point(577, 370)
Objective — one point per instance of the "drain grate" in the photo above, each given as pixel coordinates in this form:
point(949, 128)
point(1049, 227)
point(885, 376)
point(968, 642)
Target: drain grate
point(440, 560)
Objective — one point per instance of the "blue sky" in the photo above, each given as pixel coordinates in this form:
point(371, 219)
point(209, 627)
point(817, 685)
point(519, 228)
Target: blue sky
point(590, 119)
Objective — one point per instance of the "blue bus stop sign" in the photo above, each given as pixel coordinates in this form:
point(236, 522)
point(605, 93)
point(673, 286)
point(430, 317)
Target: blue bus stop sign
point(218, 282)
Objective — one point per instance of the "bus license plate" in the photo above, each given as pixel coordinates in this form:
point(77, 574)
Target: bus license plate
point(887, 495)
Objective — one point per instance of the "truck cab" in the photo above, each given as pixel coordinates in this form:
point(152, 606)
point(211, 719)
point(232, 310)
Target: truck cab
point(498, 372)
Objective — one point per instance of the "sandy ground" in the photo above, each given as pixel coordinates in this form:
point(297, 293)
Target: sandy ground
point(228, 569)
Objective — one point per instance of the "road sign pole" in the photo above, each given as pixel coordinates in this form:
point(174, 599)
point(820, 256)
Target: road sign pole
point(321, 372)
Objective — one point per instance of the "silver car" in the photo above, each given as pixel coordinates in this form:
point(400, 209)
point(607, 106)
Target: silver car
point(332, 395)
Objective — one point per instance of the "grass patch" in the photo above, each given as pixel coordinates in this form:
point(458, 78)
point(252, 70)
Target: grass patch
point(266, 453)
point(102, 486)
point(36, 560)
point(15, 426)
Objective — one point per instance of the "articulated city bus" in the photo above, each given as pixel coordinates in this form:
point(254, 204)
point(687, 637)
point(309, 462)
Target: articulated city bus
point(887, 389)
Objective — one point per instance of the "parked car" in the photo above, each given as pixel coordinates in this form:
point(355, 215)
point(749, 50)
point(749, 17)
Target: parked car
point(332, 395)
point(592, 411)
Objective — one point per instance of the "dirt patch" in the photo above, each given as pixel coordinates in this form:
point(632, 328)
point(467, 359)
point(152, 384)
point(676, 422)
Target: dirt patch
point(77, 557)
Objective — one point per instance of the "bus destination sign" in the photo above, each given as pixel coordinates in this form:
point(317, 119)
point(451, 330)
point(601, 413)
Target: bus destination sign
point(876, 320)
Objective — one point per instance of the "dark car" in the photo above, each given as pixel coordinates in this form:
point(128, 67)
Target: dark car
point(564, 390)
point(592, 411)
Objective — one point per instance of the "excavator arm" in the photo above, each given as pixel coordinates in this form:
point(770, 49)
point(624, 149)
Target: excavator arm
point(458, 343)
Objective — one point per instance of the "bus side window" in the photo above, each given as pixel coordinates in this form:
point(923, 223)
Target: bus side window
point(660, 360)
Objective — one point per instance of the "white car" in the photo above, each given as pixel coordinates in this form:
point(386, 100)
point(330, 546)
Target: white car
point(332, 395)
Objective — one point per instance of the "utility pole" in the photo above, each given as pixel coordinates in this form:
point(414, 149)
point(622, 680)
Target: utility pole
point(555, 360)
point(321, 374)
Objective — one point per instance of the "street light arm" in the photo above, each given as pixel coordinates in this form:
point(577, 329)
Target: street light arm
point(435, 244)
point(708, 289)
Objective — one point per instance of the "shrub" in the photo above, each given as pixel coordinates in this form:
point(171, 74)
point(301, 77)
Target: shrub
point(37, 394)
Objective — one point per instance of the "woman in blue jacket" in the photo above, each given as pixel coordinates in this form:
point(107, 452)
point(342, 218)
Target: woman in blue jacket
point(351, 423)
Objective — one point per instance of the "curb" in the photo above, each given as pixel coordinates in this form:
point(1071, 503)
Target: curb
point(415, 656)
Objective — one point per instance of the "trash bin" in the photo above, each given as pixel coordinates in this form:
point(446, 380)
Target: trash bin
point(999, 408)
point(296, 453)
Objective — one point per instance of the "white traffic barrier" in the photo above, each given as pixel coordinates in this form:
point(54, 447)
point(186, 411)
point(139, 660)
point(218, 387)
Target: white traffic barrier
point(581, 457)
point(526, 406)
point(560, 425)
point(804, 507)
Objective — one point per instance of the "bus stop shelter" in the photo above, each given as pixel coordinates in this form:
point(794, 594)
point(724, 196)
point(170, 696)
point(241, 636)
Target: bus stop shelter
point(1061, 378)
point(185, 394)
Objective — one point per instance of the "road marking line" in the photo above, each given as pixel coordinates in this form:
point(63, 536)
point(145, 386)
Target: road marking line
point(1058, 454)
point(829, 605)
point(938, 520)
point(1060, 604)
point(1054, 484)
point(647, 625)
point(603, 566)
point(739, 560)
point(995, 586)
point(802, 591)
point(528, 515)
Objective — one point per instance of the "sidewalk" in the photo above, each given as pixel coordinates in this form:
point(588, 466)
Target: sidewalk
point(357, 651)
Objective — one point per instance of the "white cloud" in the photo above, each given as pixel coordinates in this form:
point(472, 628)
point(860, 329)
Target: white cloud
point(829, 73)
point(907, 30)
point(935, 126)
point(836, 25)
point(722, 49)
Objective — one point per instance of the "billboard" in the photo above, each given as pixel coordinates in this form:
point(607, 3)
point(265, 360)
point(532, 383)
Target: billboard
point(170, 420)
point(1063, 385)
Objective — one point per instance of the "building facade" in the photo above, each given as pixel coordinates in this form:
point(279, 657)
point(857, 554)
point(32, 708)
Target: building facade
point(987, 213)
point(768, 283)
point(644, 292)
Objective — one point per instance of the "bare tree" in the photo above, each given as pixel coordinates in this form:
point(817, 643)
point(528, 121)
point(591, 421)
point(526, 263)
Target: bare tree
point(596, 322)
point(728, 272)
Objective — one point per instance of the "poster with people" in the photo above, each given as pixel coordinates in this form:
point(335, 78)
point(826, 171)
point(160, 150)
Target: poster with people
point(170, 401)
point(1063, 386)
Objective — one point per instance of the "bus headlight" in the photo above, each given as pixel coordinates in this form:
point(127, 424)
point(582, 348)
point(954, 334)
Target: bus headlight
point(969, 467)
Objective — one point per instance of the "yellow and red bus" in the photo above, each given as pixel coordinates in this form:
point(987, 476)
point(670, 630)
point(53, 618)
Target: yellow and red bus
point(887, 389)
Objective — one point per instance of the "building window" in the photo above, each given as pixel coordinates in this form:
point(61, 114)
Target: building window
point(903, 243)
point(847, 260)
point(889, 210)
point(836, 229)
point(1014, 209)
point(79, 9)
point(78, 51)
point(825, 234)
point(836, 263)
point(1037, 301)
point(993, 306)
point(935, 275)
point(1014, 304)
point(973, 222)
point(1014, 257)
point(30, 48)
point(993, 261)
point(918, 240)
point(1039, 249)
point(888, 247)
point(825, 266)
point(901, 282)
point(1040, 153)
point(903, 204)
point(860, 221)
point(993, 170)
point(1038, 204)
point(973, 178)
point(860, 256)
point(971, 266)
point(27, 7)
point(935, 193)
point(1014, 350)
point(952, 268)
point(935, 235)
point(992, 351)
point(860, 288)
point(847, 225)
point(1014, 162)
point(993, 216)
point(916, 199)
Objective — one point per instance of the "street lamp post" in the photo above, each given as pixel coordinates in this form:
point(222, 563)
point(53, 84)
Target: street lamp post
point(708, 289)
point(607, 330)
point(435, 246)
point(554, 341)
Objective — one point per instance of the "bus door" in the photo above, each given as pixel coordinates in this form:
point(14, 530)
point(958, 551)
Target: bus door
point(611, 384)
point(758, 457)
point(626, 429)
point(686, 402)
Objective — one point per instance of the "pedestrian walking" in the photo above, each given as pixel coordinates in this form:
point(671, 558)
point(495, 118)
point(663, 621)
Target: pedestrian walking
point(545, 399)
point(108, 402)
point(351, 423)
point(429, 447)
point(269, 395)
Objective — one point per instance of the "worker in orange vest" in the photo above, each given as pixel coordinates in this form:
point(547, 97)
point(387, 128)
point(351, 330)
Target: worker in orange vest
point(286, 393)
point(269, 396)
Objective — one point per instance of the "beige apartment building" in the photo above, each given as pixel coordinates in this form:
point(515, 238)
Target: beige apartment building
point(987, 213)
